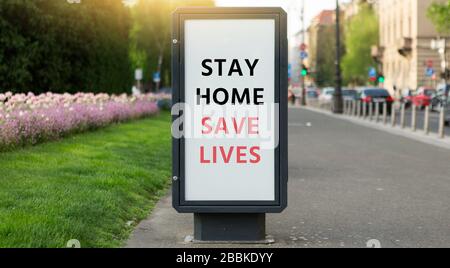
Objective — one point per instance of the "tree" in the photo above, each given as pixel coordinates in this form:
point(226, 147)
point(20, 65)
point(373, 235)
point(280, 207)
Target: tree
point(322, 49)
point(150, 35)
point(325, 67)
point(440, 16)
point(359, 40)
point(52, 45)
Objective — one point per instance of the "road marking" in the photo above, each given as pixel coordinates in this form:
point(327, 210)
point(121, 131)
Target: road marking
point(373, 243)
point(308, 124)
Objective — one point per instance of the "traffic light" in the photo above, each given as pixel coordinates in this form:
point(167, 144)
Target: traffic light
point(381, 79)
point(304, 71)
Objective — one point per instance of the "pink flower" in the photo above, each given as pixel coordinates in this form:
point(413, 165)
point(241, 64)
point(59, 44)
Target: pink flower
point(30, 119)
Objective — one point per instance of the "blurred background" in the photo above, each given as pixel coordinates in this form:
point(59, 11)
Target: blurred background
point(104, 45)
point(339, 50)
point(85, 45)
point(85, 132)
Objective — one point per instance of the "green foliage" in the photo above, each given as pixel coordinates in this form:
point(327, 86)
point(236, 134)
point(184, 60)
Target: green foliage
point(325, 68)
point(440, 16)
point(359, 40)
point(86, 187)
point(52, 45)
point(150, 35)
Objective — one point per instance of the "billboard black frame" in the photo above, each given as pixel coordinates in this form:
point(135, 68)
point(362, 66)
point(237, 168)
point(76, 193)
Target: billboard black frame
point(281, 79)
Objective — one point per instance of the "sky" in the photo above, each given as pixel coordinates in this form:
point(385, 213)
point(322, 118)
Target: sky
point(293, 7)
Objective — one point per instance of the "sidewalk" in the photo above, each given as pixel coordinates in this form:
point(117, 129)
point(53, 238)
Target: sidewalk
point(348, 184)
point(418, 135)
point(164, 227)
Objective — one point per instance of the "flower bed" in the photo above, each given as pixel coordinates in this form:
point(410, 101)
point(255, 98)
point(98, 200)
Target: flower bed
point(26, 119)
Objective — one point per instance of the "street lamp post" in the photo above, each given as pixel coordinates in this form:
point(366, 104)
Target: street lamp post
point(337, 97)
point(302, 78)
point(440, 45)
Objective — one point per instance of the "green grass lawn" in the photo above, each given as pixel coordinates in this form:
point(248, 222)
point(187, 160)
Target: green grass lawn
point(86, 187)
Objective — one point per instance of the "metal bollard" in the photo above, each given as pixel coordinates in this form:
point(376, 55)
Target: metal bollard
point(426, 123)
point(393, 116)
point(351, 107)
point(358, 109)
point(402, 116)
point(371, 111)
point(354, 107)
point(442, 122)
point(414, 118)
point(377, 112)
point(385, 113)
point(364, 109)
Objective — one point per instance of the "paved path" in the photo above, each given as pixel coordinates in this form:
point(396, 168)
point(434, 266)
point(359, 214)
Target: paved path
point(348, 184)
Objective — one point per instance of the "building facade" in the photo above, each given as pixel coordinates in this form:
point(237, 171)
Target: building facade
point(405, 37)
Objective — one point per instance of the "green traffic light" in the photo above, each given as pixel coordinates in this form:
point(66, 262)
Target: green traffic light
point(304, 72)
point(381, 79)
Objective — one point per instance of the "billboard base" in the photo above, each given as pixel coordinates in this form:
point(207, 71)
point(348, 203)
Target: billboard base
point(233, 227)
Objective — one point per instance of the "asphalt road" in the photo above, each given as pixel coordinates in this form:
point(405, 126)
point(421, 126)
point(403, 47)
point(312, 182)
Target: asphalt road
point(348, 184)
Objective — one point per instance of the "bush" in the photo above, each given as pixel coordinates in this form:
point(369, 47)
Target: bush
point(52, 45)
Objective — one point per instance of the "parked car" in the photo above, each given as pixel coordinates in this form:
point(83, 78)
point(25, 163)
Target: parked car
point(295, 93)
point(312, 88)
point(423, 97)
point(407, 97)
point(442, 93)
point(376, 96)
point(349, 94)
point(441, 97)
point(326, 96)
point(312, 96)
